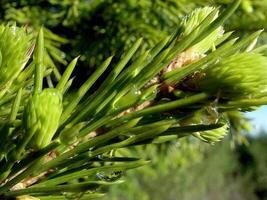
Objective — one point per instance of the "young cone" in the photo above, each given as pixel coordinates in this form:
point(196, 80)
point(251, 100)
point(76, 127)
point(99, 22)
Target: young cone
point(41, 117)
point(193, 20)
point(14, 53)
point(236, 77)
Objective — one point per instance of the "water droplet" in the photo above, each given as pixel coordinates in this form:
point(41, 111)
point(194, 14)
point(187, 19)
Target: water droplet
point(109, 176)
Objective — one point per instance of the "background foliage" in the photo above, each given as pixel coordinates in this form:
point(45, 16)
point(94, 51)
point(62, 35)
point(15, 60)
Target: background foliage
point(183, 173)
point(100, 28)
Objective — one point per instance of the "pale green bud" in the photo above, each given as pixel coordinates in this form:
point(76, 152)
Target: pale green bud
point(214, 135)
point(206, 116)
point(42, 115)
point(191, 22)
point(14, 53)
point(238, 76)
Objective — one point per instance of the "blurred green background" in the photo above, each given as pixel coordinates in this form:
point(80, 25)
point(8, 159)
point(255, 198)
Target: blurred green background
point(190, 173)
point(96, 29)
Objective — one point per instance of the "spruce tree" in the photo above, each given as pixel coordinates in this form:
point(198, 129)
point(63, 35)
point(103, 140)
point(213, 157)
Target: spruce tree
point(54, 145)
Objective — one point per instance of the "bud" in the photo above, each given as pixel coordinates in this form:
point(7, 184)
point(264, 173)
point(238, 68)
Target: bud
point(239, 76)
point(206, 116)
point(14, 47)
point(191, 22)
point(214, 135)
point(42, 115)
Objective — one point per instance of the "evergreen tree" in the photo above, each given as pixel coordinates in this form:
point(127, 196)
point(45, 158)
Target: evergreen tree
point(57, 146)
